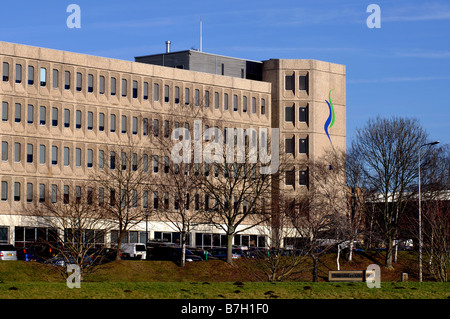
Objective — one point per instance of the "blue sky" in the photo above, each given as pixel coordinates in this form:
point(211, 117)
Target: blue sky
point(402, 68)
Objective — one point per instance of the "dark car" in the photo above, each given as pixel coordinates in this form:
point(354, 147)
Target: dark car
point(172, 254)
point(27, 254)
point(221, 253)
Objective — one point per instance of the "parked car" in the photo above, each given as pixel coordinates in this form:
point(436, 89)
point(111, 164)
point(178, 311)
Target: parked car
point(8, 252)
point(173, 254)
point(60, 260)
point(136, 251)
point(27, 254)
point(221, 253)
point(105, 255)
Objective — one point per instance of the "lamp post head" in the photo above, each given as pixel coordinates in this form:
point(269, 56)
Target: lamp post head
point(435, 142)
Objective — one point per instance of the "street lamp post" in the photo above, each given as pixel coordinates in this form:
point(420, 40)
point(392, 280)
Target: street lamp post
point(420, 215)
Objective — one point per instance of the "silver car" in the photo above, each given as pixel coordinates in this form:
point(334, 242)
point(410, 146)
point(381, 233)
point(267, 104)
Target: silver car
point(7, 252)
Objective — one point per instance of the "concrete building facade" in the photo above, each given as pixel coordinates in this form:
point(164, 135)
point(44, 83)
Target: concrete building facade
point(63, 112)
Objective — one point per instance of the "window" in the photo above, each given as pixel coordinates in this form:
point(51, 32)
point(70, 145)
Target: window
point(303, 178)
point(206, 99)
point(290, 178)
point(254, 105)
point(54, 155)
point(89, 158)
point(4, 191)
point(78, 119)
point(113, 86)
point(225, 101)
point(196, 97)
point(66, 80)
point(166, 93)
point(166, 164)
point(66, 118)
point(155, 163)
point(124, 161)
point(289, 82)
point(155, 92)
point(145, 163)
point(303, 146)
point(235, 102)
point(134, 124)
point(124, 87)
point(289, 145)
point(186, 96)
point(5, 71)
point(5, 109)
point(17, 155)
point(41, 154)
point(4, 151)
point(30, 114)
point(66, 156)
point(101, 159)
point(101, 85)
point(29, 192)
point(145, 90)
point(29, 153)
point(155, 127)
point(112, 160)
point(41, 193)
point(244, 104)
point(30, 75)
point(166, 129)
point(18, 73)
point(124, 124)
point(303, 114)
point(90, 121)
point(145, 199)
point(263, 106)
point(54, 194)
point(78, 157)
point(216, 100)
point(134, 162)
point(101, 122)
point(177, 95)
point(55, 78)
point(113, 123)
point(42, 115)
point(101, 196)
point(223, 69)
point(17, 113)
point(66, 195)
point(135, 89)
point(43, 80)
point(79, 81)
point(54, 116)
point(289, 114)
point(155, 199)
point(303, 82)
point(90, 83)
point(145, 127)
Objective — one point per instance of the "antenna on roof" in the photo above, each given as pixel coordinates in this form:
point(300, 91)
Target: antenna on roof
point(201, 39)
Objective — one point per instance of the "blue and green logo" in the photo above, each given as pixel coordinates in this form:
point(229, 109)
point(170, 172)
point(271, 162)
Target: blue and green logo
point(331, 117)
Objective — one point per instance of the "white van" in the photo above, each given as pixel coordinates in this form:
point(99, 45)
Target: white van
point(136, 251)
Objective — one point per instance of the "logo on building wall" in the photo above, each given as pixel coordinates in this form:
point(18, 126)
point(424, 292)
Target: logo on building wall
point(331, 117)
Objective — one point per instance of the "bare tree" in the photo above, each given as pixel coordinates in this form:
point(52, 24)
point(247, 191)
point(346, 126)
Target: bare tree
point(80, 224)
point(124, 187)
point(387, 149)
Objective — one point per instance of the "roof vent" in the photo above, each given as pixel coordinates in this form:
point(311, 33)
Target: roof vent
point(167, 46)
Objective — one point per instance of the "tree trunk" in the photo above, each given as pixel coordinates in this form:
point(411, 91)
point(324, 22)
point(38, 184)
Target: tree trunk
point(388, 262)
point(229, 248)
point(183, 249)
point(350, 253)
point(315, 268)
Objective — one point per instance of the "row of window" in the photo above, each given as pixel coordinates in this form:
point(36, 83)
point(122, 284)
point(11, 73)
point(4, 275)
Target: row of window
point(289, 114)
point(303, 83)
point(197, 98)
point(302, 145)
point(25, 236)
point(79, 121)
point(303, 178)
point(137, 199)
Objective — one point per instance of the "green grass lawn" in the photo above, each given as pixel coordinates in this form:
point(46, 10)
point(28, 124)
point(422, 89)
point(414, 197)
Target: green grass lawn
point(200, 280)
point(222, 290)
